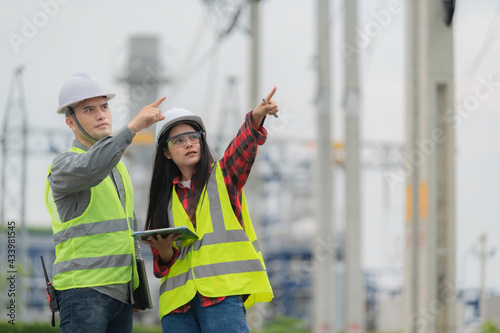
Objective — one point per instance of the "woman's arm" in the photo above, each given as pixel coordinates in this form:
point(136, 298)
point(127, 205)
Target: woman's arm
point(240, 154)
point(264, 109)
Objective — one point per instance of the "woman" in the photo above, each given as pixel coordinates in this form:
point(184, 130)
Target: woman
point(206, 283)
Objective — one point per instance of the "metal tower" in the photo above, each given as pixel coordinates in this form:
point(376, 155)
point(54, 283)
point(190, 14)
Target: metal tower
point(17, 141)
point(14, 154)
point(14, 143)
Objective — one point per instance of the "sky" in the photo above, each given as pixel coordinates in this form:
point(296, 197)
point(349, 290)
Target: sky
point(92, 36)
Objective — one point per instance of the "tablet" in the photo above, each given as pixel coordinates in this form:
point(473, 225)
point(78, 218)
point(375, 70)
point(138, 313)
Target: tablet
point(184, 231)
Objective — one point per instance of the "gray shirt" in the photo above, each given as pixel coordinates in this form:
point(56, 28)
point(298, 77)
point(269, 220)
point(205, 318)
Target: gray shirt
point(73, 175)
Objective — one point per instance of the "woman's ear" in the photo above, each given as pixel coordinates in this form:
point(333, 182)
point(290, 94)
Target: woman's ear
point(166, 153)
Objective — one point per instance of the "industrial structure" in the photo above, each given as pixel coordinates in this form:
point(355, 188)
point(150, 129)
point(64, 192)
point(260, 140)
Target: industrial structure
point(19, 141)
point(430, 290)
point(324, 304)
point(353, 299)
point(144, 75)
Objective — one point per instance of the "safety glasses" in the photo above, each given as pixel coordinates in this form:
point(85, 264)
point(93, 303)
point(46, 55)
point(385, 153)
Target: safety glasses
point(179, 141)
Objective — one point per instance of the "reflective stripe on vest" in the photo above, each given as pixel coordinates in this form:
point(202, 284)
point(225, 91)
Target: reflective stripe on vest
point(95, 248)
point(94, 262)
point(208, 271)
point(209, 239)
point(224, 261)
point(90, 229)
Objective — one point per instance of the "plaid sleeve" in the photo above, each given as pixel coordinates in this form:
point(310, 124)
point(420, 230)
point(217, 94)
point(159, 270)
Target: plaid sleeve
point(160, 270)
point(240, 154)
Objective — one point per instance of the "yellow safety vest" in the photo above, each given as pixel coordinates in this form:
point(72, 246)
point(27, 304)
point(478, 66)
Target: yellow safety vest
point(95, 248)
point(225, 260)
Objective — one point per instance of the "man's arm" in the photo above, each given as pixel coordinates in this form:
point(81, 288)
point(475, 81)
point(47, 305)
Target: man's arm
point(73, 172)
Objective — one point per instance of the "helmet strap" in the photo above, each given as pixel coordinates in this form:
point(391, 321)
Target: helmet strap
point(72, 114)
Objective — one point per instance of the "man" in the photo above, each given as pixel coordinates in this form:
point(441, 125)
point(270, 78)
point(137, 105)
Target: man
point(90, 200)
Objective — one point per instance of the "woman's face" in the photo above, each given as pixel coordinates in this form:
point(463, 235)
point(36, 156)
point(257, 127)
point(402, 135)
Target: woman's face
point(183, 146)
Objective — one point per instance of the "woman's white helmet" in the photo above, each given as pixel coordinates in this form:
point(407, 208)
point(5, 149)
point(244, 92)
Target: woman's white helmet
point(176, 116)
point(80, 87)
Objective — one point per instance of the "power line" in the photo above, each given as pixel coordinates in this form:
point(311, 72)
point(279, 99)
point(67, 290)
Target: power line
point(491, 35)
point(185, 76)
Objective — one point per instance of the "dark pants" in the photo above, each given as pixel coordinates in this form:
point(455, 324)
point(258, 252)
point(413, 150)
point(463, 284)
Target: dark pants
point(86, 310)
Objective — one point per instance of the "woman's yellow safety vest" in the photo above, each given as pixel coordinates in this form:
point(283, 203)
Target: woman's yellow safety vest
point(225, 260)
point(97, 247)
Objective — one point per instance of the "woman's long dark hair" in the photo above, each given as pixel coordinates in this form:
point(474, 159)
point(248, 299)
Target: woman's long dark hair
point(163, 175)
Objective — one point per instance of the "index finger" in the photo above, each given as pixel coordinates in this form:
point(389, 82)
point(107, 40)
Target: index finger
point(158, 102)
point(268, 98)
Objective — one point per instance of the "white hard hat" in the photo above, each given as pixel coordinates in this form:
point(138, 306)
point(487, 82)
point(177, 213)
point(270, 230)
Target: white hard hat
point(80, 87)
point(175, 116)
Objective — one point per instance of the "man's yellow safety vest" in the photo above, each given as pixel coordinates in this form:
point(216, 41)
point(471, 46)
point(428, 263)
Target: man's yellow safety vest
point(225, 260)
point(97, 247)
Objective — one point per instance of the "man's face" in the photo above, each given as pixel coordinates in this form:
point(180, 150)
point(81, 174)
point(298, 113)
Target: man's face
point(94, 116)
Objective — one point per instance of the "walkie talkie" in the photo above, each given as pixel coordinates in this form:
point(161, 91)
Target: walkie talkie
point(51, 294)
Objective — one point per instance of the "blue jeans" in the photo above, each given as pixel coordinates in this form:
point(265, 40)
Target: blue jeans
point(226, 316)
point(86, 310)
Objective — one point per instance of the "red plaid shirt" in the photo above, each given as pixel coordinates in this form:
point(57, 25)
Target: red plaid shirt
point(236, 165)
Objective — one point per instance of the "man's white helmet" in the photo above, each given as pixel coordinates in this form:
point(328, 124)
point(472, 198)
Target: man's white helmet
point(80, 87)
point(176, 116)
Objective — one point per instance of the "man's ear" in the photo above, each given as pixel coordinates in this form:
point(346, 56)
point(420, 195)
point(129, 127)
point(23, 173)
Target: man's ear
point(167, 153)
point(71, 123)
